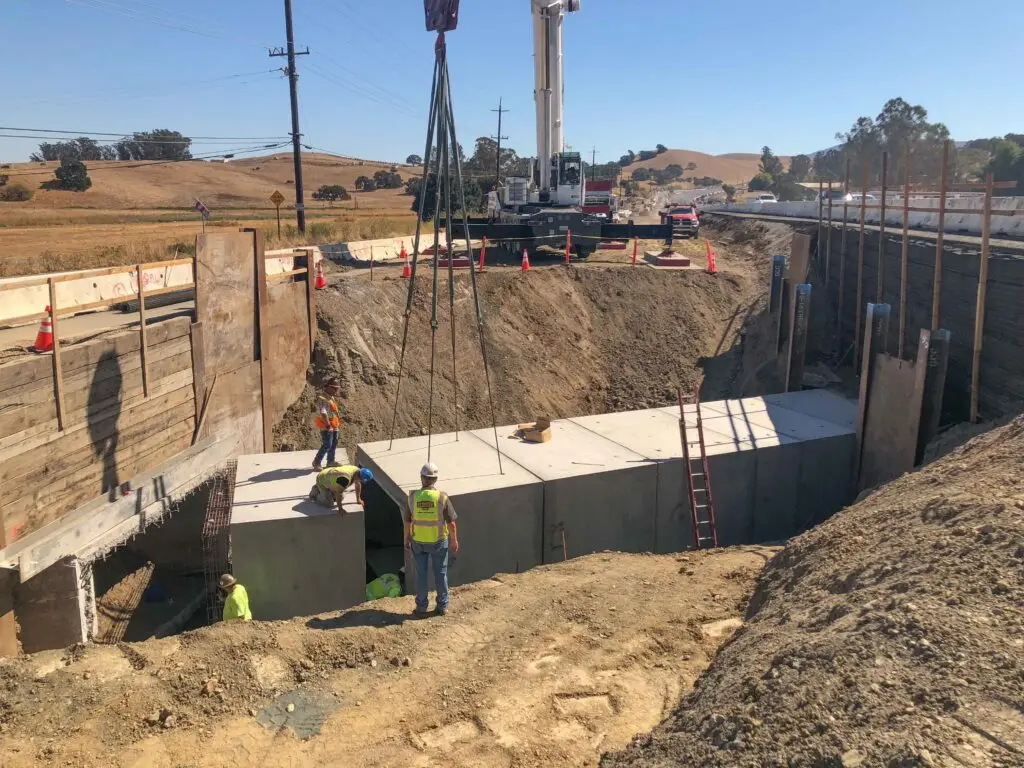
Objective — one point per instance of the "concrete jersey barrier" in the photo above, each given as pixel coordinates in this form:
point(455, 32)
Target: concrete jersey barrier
point(71, 293)
point(962, 215)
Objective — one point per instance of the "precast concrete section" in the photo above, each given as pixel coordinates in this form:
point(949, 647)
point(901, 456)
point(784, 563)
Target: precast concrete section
point(500, 513)
point(617, 481)
point(294, 556)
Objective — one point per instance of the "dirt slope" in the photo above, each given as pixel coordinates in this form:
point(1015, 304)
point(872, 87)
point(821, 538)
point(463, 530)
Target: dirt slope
point(892, 635)
point(730, 168)
point(561, 343)
point(544, 668)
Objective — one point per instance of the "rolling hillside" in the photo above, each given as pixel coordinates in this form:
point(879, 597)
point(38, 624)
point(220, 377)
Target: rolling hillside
point(730, 168)
point(245, 183)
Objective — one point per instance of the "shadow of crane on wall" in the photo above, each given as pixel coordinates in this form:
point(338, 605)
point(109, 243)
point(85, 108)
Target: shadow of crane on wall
point(103, 412)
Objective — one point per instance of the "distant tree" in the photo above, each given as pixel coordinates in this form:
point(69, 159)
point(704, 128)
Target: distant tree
point(387, 179)
point(414, 160)
point(647, 154)
point(475, 192)
point(625, 160)
point(691, 166)
point(786, 188)
point(729, 189)
point(71, 176)
point(661, 149)
point(331, 192)
point(485, 158)
point(15, 193)
point(673, 171)
point(82, 148)
point(799, 167)
point(643, 174)
point(413, 186)
point(705, 181)
point(3, 179)
point(365, 184)
point(760, 182)
point(769, 164)
point(159, 144)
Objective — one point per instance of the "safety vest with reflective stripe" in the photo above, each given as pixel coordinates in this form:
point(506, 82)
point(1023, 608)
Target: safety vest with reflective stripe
point(428, 525)
point(332, 420)
point(328, 478)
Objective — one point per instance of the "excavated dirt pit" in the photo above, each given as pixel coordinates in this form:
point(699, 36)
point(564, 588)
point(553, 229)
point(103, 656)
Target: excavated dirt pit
point(593, 338)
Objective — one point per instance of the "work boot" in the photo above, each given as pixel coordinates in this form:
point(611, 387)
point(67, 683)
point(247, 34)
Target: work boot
point(442, 610)
point(420, 613)
point(317, 467)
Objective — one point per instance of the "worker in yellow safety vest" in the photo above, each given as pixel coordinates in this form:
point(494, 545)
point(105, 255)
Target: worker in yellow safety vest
point(387, 585)
point(430, 534)
point(332, 482)
point(328, 421)
point(236, 599)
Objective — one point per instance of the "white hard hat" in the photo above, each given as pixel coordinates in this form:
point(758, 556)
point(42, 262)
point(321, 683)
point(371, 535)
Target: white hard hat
point(429, 470)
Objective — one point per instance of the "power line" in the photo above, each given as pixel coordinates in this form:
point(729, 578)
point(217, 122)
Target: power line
point(139, 14)
point(334, 80)
point(121, 134)
point(126, 165)
point(160, 91)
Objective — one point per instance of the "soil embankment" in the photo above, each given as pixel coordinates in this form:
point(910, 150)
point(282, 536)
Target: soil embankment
point(594, 338)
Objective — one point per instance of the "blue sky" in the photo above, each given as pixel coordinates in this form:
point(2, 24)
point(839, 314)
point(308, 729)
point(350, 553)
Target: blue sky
point(711, 76)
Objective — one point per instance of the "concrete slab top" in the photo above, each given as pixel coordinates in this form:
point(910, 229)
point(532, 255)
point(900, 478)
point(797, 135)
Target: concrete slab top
point(820, 404)
point(275, 486)
point(795, 424)
point(743, 428)
point(467, 464)
point(572, 451)
point(654, 434)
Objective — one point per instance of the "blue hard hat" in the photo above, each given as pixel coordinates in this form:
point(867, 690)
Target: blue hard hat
point(365, 475)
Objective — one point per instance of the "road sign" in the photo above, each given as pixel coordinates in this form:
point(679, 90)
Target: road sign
point(203, 211)
point(277, 198)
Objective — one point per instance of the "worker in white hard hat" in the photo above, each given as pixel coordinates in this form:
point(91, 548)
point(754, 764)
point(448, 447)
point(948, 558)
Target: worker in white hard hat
point(431, 534)
point(236, 599)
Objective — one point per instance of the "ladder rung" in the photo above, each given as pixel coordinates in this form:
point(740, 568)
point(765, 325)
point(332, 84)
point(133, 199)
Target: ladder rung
point(696, 474)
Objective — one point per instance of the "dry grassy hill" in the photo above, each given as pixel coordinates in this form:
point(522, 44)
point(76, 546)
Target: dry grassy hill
point(245, 183)
point(730, 168)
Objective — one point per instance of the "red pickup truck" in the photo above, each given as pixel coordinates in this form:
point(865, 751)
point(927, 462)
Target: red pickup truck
point(685, 219)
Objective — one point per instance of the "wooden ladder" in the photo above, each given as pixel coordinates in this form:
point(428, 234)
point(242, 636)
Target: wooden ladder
point(698, 478)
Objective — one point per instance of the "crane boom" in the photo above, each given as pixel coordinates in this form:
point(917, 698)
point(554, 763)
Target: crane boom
point(549, 93)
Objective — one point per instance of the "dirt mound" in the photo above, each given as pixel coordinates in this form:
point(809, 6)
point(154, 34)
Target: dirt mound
point(892, 635)
point(590, 339)
point(548, 667)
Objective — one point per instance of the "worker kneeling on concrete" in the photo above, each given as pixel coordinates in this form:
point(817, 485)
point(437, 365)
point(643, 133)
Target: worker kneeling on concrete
point(236, 599)
point(430, 533)
point(333, 482)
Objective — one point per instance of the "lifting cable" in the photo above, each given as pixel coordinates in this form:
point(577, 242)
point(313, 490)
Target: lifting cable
point(445, 156)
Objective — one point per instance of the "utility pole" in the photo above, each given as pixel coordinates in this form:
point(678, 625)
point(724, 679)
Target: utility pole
point(497, 162)
point(593, 163)
point(293, 86)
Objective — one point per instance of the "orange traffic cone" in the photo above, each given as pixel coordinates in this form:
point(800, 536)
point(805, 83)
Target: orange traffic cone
point(526, 261)
point(712, 267)
point(321, 281)
point(406, 269)
point(44, 338)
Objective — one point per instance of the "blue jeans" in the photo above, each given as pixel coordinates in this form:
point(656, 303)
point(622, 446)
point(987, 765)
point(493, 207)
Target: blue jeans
point(328, 446)
point(422, 555)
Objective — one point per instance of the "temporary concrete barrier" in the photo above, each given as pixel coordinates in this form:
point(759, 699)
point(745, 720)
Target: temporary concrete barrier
point(122, 287)
point(962, 214)
point(388, 249)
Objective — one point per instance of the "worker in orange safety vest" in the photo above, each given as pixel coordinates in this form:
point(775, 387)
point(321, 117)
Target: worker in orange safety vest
point(328, 421)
